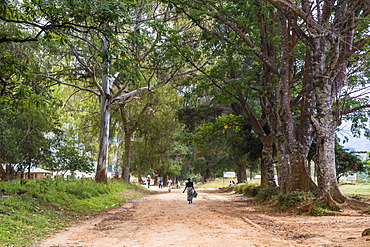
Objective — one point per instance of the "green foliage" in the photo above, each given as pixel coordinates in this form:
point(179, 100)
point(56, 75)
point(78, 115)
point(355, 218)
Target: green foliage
point(23, 134)
point(156, 148)
point(322, 210)
point(292, 199)
point(346, 162)
point(262, 194)
point(266, 193)
point(222, 143)
point(247, 189)
point(29, 212)
point(68, 155)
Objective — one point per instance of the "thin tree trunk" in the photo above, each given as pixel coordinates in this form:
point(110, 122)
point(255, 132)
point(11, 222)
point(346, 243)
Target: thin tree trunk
point(118, 157)
point(127, 158)
point(101, 169)
point(105, 112)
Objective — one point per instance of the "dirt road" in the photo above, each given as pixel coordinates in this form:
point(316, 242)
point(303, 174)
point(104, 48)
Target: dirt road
point(166, 219)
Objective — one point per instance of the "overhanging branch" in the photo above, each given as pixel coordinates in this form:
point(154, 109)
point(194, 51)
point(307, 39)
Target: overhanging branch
point(69, 84)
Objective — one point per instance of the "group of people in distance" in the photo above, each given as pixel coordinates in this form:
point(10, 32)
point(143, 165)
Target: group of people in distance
point(169, 184)
point(189, 187)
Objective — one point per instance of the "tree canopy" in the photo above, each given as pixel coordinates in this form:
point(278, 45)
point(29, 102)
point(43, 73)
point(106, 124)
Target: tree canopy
point(258, 84)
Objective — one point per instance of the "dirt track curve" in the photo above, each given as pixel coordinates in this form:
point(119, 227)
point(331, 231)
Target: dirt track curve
point(166, 219)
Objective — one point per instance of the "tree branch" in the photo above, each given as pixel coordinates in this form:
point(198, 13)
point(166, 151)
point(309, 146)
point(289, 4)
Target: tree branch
point(69, 84)
point(151, 87)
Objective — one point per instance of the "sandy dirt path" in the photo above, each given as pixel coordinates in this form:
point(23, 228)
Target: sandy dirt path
point(166, 219)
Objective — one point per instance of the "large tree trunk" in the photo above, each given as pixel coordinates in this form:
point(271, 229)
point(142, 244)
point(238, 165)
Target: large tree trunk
point(293, 174)
point(325, 127)
point(267, 163)
point(301, 179)
point(304, 134)
point(242, 173)
point(326, 91)
point(328, 188)
point(283, 164)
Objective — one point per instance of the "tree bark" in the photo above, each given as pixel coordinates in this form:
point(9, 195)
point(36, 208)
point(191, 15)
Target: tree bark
point(105, 112)
point(242, 173)
point(127, 162)
point(118, 156)
point(267, 163)
point(326, 90)
point(101, 169)
point(284, 168)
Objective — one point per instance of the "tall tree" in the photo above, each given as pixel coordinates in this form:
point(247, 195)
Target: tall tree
point(304, 74)
point(120, 48)
point(332, 32)
point(155, 139)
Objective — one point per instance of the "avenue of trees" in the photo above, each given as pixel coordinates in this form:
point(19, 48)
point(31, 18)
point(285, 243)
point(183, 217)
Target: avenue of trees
point(181, 88)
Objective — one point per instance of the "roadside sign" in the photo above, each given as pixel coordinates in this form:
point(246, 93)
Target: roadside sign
point(229, 175)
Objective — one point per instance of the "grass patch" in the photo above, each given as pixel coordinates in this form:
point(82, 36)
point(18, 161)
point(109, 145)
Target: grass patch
point(356, 191)
point(29, 212)
point(216, 183)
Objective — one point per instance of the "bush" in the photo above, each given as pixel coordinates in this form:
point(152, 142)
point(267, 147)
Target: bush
point(247, 189)
point(266, 193)
point(322, 210)
point(292, 199)
point(238, 188)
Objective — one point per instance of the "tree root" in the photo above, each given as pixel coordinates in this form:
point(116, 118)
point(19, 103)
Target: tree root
point(342, 203)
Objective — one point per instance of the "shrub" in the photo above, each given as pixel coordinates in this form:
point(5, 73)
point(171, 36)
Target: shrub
point(239, 188)
point(292, 199)
point(322, 210)
point(251, 190)
point(247, 189)
point(266, 193)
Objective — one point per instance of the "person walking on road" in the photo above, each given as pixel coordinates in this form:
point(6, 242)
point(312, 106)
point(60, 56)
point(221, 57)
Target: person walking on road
point(189, 186)
point(148, 181)
point(169, 185)
point(160, 183)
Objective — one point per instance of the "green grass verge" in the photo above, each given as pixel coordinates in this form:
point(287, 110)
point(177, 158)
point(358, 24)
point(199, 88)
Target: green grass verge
point(32, 211)
point(359, 191)
point(216, 183)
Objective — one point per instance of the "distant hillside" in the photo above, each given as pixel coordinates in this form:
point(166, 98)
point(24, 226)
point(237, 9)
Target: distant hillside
point(361, 144)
